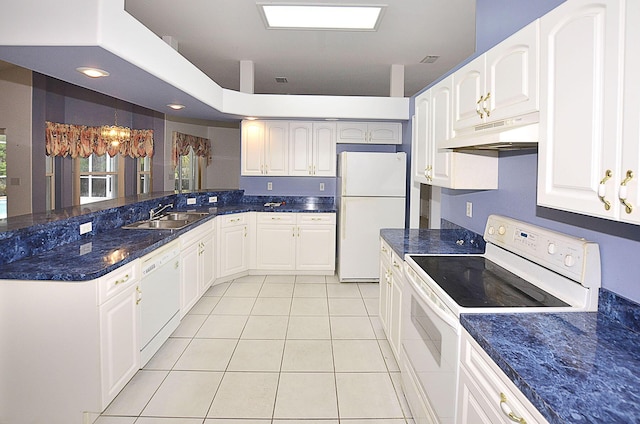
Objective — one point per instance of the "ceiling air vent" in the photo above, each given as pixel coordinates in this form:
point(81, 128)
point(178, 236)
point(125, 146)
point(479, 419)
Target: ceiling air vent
point(282, 80)
point(429, 59)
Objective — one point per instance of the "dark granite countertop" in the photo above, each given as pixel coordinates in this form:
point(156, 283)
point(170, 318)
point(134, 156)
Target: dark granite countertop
point(450, 241)
point(95, 255)
point(581, 367)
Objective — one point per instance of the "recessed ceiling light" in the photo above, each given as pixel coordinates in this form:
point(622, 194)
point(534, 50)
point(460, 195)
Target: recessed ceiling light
point(176, 106)
point(319, 16)
point(250, 118)
point(93, 72)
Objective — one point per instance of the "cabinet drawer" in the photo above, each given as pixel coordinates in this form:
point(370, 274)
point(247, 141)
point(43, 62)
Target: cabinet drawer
point(500, 393)
point(116, 281)
point(197, 233)
point(233, 219)
point(276, 218)
point(316, 218)
point(385, 250)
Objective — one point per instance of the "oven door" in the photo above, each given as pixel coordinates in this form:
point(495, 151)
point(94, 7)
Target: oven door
point(430, 341)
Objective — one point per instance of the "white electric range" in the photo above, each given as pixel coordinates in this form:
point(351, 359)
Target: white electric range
point(525, 268)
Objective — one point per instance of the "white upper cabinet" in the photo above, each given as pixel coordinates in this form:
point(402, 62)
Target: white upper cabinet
point(440, 167)
point(369, 132)
point(312, 149)
point(265, 148)
point(581, 145)
point(500, 84)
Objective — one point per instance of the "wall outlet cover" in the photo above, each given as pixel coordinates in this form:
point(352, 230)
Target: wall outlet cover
point(469, 209)
point(321, 186)
point(213, 199)
point(191, 201)
point(86, 228)
point(269, 185)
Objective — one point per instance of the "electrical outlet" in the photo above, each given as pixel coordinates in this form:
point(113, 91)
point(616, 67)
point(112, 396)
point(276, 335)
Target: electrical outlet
point(269, 185)
point(469, 209)
point(321, 186)
point(213, 199)
point(86, 228)
point(191, 200)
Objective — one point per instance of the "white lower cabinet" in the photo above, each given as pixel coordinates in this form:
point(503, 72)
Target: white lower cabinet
point(485, 393)
point(119, 350)
point(295, 242)
point(197, 258)
point(391, 284)
point(233, 242)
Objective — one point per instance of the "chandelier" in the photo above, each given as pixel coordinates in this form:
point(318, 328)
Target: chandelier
point(115, 134)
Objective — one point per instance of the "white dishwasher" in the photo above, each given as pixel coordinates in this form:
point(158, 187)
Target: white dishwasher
point(159, 299)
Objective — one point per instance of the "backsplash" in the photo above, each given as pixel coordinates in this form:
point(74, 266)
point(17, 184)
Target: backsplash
point(619, 309)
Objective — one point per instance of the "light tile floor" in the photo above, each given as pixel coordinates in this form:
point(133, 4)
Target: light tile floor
point(271, 350)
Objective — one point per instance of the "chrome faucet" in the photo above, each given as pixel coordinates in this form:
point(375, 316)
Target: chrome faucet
point(156, 211)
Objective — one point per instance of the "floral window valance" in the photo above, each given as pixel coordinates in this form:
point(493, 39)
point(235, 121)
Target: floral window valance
point(80, 140)
point(182, 143)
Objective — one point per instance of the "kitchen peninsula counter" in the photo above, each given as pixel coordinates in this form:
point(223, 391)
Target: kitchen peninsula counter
point(49, 248)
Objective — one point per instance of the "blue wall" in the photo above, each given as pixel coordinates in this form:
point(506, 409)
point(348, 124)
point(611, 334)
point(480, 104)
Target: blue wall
point(516, 196)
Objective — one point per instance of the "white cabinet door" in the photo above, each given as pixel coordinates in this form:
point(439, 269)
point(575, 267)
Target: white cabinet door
point(276, 148)
point(324, 149)
point(312, 149)
point(502, 83)
point(421, 133)
point(232, 238)
point(469, 90)
point(630, 190)
point(316, 247)
point(395, 302)
point(369, 132)
point(439, 161)
point(352, 132)
point(276, 247)
point(385, 133)
point(385, 286)
point(577, 160)
point(511, 82)
point(301, 148)
point(119, 350)
point(207, 262)
point(472, 407)
point(252, 148)
point(190, 277)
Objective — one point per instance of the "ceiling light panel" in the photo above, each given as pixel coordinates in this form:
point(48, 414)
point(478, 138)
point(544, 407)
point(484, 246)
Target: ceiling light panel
point(321, 17)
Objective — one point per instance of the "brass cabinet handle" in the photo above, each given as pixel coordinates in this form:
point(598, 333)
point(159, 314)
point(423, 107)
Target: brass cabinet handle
point(628, 207)
point(396, 264)
point(478, 111)
point(484, 104)
point(122, 280)
point(427, 173)
point(602, 189)
point(139, 296)
point(508, 412)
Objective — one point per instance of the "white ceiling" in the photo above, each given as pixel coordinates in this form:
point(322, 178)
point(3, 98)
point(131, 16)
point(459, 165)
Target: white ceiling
point(215, 35)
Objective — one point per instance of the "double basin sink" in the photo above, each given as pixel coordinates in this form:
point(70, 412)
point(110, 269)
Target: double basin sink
point(168, 221)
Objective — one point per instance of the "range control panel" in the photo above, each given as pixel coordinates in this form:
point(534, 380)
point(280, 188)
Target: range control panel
point(573, 257)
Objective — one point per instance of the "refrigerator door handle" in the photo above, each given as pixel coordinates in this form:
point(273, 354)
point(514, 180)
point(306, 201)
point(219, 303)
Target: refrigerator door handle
point(343, 218)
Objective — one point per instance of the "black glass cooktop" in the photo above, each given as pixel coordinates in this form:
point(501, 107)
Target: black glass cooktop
point(476, 282)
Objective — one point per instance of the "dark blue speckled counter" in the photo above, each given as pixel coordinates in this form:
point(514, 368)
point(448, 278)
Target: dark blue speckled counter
point(451, 241)
point(573, 367)
point(49, 247)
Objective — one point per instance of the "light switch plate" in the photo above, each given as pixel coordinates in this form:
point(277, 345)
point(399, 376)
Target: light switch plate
point(469, 209)
point(191, 201)
point(321, 186)
point(269, 185)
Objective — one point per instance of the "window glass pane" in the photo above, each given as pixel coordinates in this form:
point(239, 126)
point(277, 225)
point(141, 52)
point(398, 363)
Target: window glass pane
point(84, 187)
point(144, 185)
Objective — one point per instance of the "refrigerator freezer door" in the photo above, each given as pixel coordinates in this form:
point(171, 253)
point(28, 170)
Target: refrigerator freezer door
point(372, 174)
point(360, 221)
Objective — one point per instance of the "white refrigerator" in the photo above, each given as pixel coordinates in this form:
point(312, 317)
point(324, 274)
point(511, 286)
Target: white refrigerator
point(371, 196)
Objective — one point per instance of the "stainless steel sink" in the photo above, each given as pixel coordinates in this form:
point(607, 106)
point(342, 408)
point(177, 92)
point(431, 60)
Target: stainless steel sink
point(168, 221)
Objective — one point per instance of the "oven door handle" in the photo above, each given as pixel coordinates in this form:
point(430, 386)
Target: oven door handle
point(436, 306)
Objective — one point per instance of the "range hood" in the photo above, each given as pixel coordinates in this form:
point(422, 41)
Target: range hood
point(507, 134)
